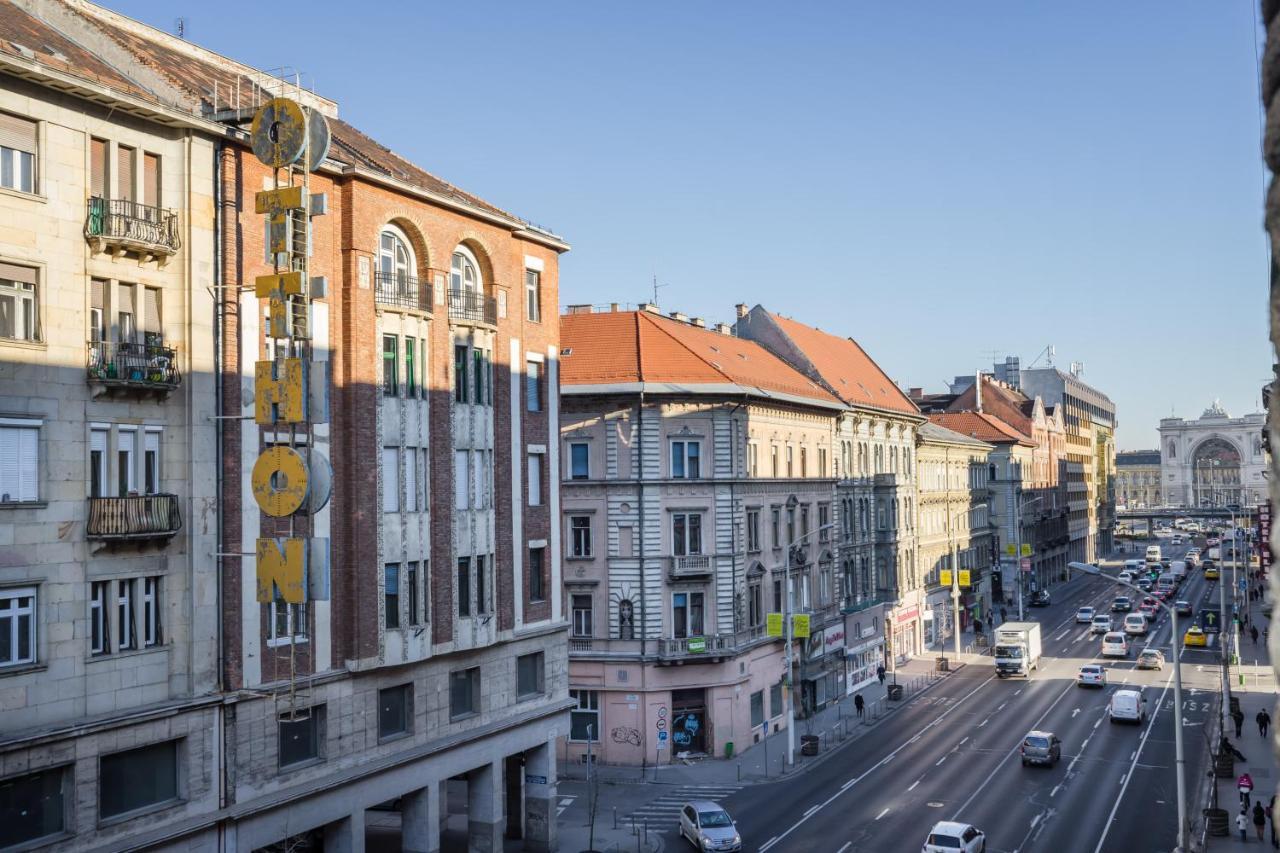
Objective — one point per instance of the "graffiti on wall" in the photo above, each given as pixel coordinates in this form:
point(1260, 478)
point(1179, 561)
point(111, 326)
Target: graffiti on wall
point(625, 735)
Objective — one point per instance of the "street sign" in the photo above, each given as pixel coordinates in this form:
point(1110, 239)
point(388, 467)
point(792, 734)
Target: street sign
point(1026, 550)
point(535, 780)
point(662, 736)
point(964, 577)
point(1026, 564)
point(1243, 584)
point(800, 625)
point(773, 624)
point(1011, 550)
point(944, 577)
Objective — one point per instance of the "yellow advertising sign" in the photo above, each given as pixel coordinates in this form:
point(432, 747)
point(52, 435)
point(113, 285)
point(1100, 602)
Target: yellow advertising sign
point(773, 624)
point(964, 577)
point(944, 577)
point(280, 481)
point(1026, 550)
point(278, 288)
point(282, 566)
point(278, 200)
point(1011, 550)
point(279, 399)
point(800, 625)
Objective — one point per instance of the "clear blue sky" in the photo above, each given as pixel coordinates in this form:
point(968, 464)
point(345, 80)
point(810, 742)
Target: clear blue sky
point(936, 179)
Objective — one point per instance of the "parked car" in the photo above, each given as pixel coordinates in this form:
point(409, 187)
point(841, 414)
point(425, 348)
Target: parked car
point(1092, 675)
point(1195, 636)
point(1151, 659)
point(1040, 748)
point(1084, 615)
point(948, 836)
point(1101, 624)
point(1115, 645)
point(708, 826)
point(1128, 706)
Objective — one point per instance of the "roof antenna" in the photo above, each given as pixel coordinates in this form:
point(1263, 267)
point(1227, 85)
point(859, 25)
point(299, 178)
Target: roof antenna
point(655, 290)
point(180, 27)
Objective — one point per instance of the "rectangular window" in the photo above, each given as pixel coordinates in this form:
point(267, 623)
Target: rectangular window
point(686, 462)
point(411, 479)
point(533, 295)
point(533, 386)
point(529, 675)
point(286, 623)
point(804, 520)
point(97, 168)
point(686, 534)
point(126, 316)
point(395, 711)
point(460, 373)
point(755, 605)
point(410, 368)
point(790, 461)
point(757, 708)
point(584, 720)
point(464, 586)
point(464, 692)
point(411, 589)
point(125, 482)
point(535, 479)
point(537, 574)
point(773, 460)
point(480, 367)
point(753, 530)
point(824, 521)
point(480, 477)
point(822, 463)
point(580, 535)
point(33, 806)
point(300, 736)
point(124, 614)
point(19, 461)
point(461, 477)
point(150, 462)
point(482, 601)
point(99, 621)
point(686, 614)
point(804, 462)
point(391, 593)
point(390, 479)
point(582, 615)
point(390, 365)
point(19, 317)
point(125, 187)
point(775, 516)
point(151, 606)
point(775, 700)
point(151, 179)
point(579, 461)
point(17, 153)
point(128, 781)
point(17, 626)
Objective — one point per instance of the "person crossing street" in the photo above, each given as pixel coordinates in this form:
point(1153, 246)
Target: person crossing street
point(1264, 722)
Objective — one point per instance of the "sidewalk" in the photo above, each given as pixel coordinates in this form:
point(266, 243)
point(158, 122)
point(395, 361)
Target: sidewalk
point(1253, 681)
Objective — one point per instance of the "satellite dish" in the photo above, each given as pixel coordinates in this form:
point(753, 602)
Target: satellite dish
point(278, 134)
point(318, 139)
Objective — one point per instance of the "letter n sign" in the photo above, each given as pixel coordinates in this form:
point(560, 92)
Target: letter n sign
point(282, 570)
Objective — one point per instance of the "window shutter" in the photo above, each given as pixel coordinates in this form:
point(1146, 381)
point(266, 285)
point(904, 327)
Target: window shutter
point(13, 272)
point(151, 310)
point(151, 180)
point(124, 172)
point(19, 456)
point(96, 287)
point(17, 133)
point(124, 299)
point(98, 168)
point(9, 463)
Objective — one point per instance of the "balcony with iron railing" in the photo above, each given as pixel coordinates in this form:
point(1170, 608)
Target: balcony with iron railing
point(134, 517)
point(671, 648)
point(402, 291)
point(472, 306)
point(856, 604)
point(149, 367)
point(119, 225)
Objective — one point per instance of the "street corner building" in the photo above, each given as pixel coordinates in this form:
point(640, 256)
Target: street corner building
point(153, 693)
point(709, 484)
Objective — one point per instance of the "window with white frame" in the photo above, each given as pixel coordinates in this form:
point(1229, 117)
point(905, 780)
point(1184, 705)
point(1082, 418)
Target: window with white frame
point(533, 295)
point(411, 479)
point(583, 610)
point(480, 480)
point(390, 479)
point(99, 619)
point(395, 260)
point(17, 626)
point(125, 634)
point(753, 530)
point(580, 535)
point(753, 460)
point(686, 459)
point(461, 479)
point(19, 314)
point(151, 607)
point(286, 623)
point(150, 461)
point(535, 479)
point(464, 273)
point(19, 460)
point(687, 614)
point(18, 142)
point(584, 718)
point(533, 385)
point(126, 450)
point(686, 533)
point(579, 461)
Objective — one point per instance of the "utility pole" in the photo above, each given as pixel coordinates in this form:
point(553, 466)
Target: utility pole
point(955, 581)
point(792, 501)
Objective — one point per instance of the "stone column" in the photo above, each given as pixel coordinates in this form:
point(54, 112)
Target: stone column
point(540, 798)
point(513, 807)
point(346, 835)
point(420, 820)
point(484, 809)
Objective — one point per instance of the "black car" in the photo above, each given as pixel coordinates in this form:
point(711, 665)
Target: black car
point(1121, 604)
point(1040, 598)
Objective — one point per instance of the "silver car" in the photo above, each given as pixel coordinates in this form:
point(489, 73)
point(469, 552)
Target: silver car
point(708, 827)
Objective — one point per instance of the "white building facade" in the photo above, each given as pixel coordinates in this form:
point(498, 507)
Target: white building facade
point(1213, 461)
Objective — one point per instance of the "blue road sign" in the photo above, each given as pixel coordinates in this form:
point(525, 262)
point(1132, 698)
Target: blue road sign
point(662, 735)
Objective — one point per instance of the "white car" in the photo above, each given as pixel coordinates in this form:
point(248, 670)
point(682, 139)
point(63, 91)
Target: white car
point(1124, 578)
point(1084, 615)
point(947, 836)
point(1127, 706)
point(708, 827)
point(1115, 644)
point(1092, 675)
point(1101, 624)
point(1135, 624)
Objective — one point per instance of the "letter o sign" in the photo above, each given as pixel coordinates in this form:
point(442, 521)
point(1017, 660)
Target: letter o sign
point(280, 481)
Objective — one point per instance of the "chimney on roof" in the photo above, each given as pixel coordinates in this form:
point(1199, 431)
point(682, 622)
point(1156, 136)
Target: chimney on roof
point(699, 322)
point(977, 389)
point(650, 307)
point(915, 393)
point(724, 328)
point(613, 307)
point(741, 309)
point(578, 309)
point(676, 315)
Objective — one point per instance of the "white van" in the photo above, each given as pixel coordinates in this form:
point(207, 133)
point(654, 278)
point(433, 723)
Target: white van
point(1134, 624)
point(1128, 706)
point(1178, 568)
point(1133, 565)
point(1115, 644)
point(1153, 553)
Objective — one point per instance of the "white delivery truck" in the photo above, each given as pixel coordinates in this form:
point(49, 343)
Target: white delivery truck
point(1153, 553)
point(1017, 649)
point(1178, 568)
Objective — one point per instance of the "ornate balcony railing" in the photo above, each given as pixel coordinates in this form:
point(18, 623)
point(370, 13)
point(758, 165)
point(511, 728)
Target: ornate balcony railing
point(402, 291)
point(711, 644)
point(856, 605)
point(691, 565)
point(124, 224)
point(134, 517)
point(472, 307)
point(149, 366)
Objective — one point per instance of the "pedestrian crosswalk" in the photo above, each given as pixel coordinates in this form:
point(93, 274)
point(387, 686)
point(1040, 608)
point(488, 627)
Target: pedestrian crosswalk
point(666, 808)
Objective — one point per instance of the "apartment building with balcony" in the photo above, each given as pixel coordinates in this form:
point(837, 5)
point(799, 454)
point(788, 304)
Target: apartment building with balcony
point(693, 463)
point(954, 530)
point(108, 636)
point(1138, 483)
point(876, 491)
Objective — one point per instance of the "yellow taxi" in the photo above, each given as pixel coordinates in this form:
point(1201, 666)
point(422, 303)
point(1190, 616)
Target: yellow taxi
point(1211, 574)
point(1194, 637)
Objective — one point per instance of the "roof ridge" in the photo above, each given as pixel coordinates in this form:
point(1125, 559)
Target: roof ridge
point(687, 348)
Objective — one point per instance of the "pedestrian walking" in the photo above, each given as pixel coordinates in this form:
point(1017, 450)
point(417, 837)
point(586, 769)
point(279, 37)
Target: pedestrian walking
point(880, 675)
point(1237, 717)
point(858, 704)
point(1004, 615)
point(977, 626)
point(1264, 722)
point(1253, 634)
point(1242, 824)
point(1245, 786)
point(1259, 819)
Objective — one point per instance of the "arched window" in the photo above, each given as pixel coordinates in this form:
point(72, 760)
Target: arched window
point(464, 275)
point(626, 623)
point(991, 472)
point(1173, 450)
point(395, 259)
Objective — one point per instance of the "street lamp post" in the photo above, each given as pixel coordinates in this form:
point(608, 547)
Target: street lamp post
point(1179, 756)
point(1017, 564)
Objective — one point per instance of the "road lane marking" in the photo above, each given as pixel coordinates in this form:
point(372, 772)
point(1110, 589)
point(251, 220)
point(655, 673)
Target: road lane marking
point(845, 847)
point(1002, 704)
point(769, 843)
point(966, 737)
point(940, 760)
point(1055, 790)
point(984, 722)
point(1063, 634)
point(812, 810)
point(1074, 713)
point(917, 782)
point(883, 813)
point(1016, 692)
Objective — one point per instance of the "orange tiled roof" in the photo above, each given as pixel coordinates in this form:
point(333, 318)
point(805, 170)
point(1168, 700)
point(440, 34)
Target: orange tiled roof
point(846, 368)
point(982, 426)
point(625, 347)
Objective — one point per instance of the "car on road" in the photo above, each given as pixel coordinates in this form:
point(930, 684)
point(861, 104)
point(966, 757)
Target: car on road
point(1084, 614)
point(1182, 608)
point(1148, 611)
point(1040, 748)
point(1124, 577)
point(1040, 598)
point(1151, 659)
point(1144, 583)
point(947, 836)
point(1092, 675)
point(1195, 636)
point(1177, 539)
point(1135, 624)
point(1211, 573)
point(707, 826)
point(1121, 604)
point(1128, 706)
point(1115, 645)
point(1101, 624)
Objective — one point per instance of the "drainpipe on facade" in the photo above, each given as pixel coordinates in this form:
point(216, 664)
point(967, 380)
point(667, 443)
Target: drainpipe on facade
point(733, 502)
point(644, 589)
point(219, 292)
